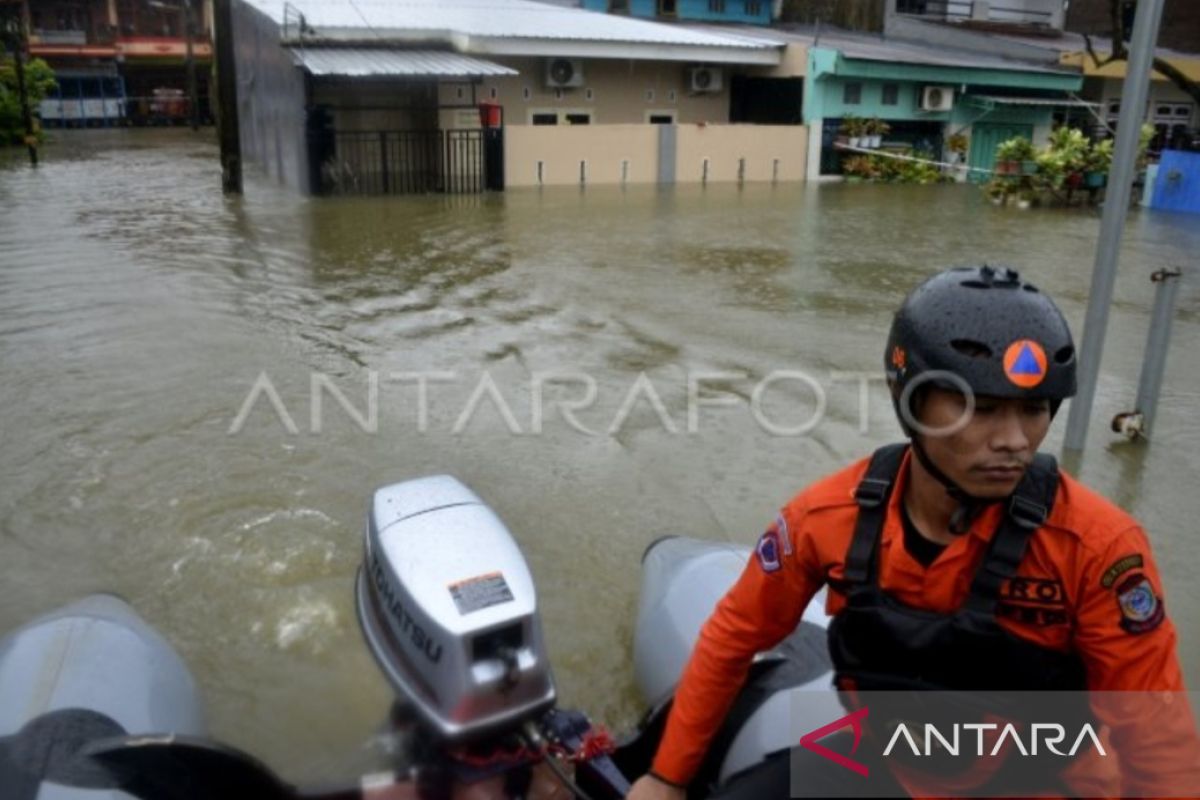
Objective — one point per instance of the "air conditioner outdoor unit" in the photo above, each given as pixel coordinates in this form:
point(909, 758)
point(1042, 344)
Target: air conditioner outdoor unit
point(937, 98)
point(564, 73)
point(704, 79)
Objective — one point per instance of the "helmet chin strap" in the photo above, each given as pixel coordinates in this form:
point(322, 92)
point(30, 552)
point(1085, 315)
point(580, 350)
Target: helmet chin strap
point(969, 505)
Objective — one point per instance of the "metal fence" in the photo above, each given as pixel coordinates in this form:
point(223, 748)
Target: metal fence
point(405, 162)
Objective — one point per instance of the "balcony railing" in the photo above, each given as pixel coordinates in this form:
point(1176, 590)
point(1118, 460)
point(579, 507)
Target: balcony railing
point(76, 38)
point(974, 11)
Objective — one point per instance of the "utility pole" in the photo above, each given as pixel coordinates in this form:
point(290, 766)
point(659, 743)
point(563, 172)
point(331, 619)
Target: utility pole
point(15, 35)
point(189, 27)
point(1116, 207)
point(227, 101)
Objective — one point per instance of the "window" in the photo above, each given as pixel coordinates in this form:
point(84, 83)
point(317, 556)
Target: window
point(590, 94)
point(753, 8)
point(649, 95)
point(852, 94)
point(667, 8)
point(891, 94)
point(493, 93)
point(551, 116)
point(671, 96)
point(527, 93)
point(716, 6)
point(661, 117)
point(618, 6)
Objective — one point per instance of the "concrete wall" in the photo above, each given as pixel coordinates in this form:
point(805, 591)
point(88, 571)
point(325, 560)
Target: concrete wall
point(610, 153)
point(379, 105)
point(615, 92)
point(1107, 90)
point(761, 152)
point(271, 96)
point(613, 154)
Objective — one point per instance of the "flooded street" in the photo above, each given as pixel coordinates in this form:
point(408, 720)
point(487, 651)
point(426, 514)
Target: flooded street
point(138, 308)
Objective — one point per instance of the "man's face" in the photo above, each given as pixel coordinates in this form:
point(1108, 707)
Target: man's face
point(988, 455)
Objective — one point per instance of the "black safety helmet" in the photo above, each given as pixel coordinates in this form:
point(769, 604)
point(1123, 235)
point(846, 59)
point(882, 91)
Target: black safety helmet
point(997, 333)
point(985, 329)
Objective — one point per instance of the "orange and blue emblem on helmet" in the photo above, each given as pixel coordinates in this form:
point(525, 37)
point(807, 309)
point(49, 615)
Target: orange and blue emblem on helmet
point(1025, 363)
point(899, 358)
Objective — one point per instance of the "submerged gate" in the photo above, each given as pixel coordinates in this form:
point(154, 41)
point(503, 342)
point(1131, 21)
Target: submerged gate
point(467, 161)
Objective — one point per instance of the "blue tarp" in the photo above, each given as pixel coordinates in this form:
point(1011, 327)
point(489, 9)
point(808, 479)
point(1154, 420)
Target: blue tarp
point(1177, 187)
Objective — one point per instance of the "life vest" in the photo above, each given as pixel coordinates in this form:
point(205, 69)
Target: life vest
point(878, 643)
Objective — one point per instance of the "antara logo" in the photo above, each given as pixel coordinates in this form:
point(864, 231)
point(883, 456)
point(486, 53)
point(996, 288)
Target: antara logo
point(809, 741)
point(1048, 734)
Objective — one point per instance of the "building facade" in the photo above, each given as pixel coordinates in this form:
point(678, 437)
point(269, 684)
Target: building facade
point(750, 12)
point(440, 99)
point(122, 61)
point(927, 95)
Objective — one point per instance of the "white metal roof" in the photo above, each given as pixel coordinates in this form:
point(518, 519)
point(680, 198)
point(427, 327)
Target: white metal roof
point(366, 62)
point(511, 27)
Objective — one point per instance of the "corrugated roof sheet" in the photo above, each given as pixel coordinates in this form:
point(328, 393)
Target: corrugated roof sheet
point(361, 62)
point(1034, 101)
point(489, 18)
point(899, 51)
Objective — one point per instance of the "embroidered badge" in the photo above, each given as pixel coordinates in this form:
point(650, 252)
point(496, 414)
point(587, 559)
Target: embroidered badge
point(1025, 363)
point(785, 538)
point(767, 550)
point(1141, 608)
point(1119, 568)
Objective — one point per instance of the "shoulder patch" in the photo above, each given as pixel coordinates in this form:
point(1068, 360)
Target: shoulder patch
point(1141, 609)
point(767, 550)
point(1119, 568)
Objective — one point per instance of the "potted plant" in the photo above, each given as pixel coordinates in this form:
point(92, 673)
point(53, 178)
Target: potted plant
point(958, 144)
point(1011, 153)
point(874, 130)
point(858, 168)
point(852, 127)
point(1099, 162)
point(1071, 147)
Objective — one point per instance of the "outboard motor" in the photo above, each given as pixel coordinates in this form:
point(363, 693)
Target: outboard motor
point(448, 608)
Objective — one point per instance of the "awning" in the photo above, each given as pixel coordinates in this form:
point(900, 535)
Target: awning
point(1054, 102)
point(362, 62)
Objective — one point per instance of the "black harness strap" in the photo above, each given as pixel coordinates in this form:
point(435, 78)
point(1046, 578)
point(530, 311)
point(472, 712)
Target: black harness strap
point(1028, 509)
point(872, 496)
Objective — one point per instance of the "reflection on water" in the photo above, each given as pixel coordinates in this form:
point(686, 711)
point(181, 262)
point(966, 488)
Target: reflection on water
point(138, 306)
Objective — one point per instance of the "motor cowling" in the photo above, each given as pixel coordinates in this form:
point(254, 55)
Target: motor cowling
point(448, 608)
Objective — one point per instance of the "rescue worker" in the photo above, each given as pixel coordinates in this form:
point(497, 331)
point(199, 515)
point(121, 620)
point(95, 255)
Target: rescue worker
point(961, 559)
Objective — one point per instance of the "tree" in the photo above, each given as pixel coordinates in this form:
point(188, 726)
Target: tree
point(1121, 21)
point(39, 82)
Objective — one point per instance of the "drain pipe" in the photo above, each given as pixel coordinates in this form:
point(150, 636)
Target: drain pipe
point(1139, 422)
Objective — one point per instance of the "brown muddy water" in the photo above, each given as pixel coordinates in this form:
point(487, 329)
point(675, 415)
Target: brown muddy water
point(138, 307)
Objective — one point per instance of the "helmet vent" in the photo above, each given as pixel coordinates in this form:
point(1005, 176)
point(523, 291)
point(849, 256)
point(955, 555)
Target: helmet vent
point(1064, 355)
point(973, 284)
point(971, 348)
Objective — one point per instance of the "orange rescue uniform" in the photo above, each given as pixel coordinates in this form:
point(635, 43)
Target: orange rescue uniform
point(1066, 595)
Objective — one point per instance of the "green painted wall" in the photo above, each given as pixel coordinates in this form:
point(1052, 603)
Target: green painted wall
point(829, 72)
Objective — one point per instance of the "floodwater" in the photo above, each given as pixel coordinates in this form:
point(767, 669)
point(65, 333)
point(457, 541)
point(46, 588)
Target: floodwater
point(138, 308)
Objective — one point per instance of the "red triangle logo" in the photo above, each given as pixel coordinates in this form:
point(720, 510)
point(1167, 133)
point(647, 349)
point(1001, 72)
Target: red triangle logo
point(854, 721)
